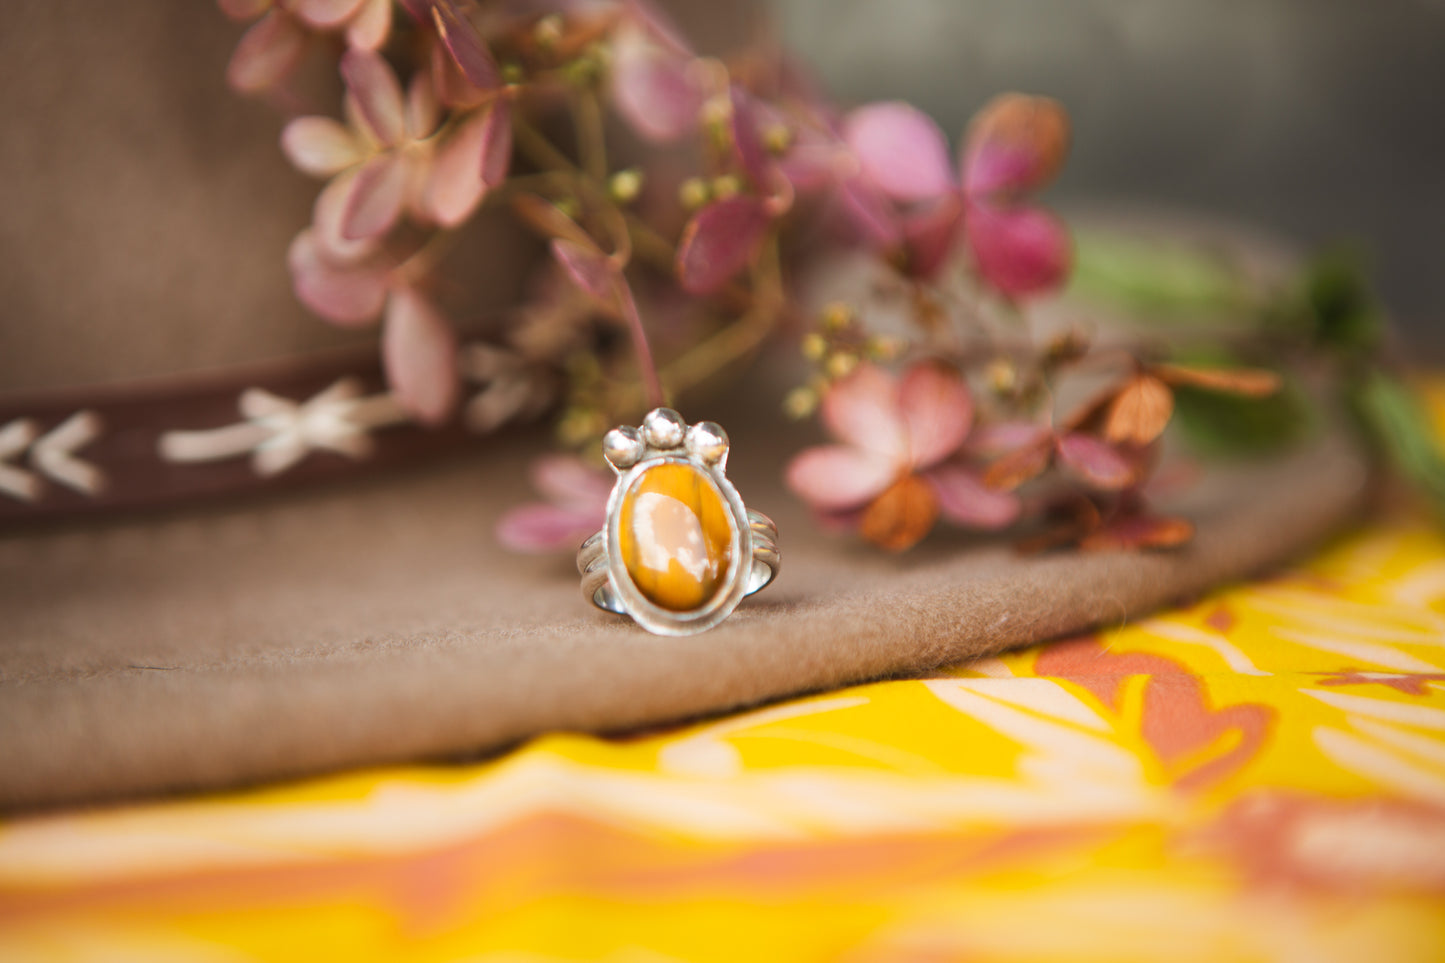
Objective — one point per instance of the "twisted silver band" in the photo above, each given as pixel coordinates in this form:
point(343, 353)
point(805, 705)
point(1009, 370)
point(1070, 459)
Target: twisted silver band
point(592, 562)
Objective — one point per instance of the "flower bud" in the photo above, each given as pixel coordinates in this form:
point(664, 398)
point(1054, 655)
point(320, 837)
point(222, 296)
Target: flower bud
point(837, 316)
point(513, 74)
point(625, 185)
point(777, 138)
point(1067, 346)
point(884, 348)
point(1002, 376)
point(841, 364)
point(717, 112)
point(726, 186)
point(800, 402)
point(814, 346)
point(548, 31)
point(694, 193)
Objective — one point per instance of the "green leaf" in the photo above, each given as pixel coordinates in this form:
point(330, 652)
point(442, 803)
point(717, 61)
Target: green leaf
point(1216, 425)
point(1396, 420)
point(1341, 307)
point(1159, 280)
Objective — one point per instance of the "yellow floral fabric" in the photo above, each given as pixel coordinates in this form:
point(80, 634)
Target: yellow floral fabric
point(1256, 776)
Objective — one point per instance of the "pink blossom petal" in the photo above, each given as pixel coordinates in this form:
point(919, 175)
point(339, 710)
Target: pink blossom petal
point(929, 236)
point(863, 410)
point(1020, 251)
point(1016, 144)
point(1096, 462)
point(659, 26)
point(937, 411)
point(267, 53)
point(997, 169)
point(329, 214)
point(570, 481)
point(869, 213)
point(419, 352)
point(371, 26)
point(965, 500)
point(840, 522)
point(589, 269)
point(377, 94)
point(813, 161)
point(747, 142)
point(540, 529)
point(244, 10)
point(376, 197)
point(467, 48)
point(719, 242)
point(423, 111)
point(654, 89)
point(901, 150)
point(455, 185)
point(418, 10)
point(1004, 437)
point(451, 85)
point(835, 478)
point(323, 13)
point(497, 144)
point(319, 146)
point(348, 295)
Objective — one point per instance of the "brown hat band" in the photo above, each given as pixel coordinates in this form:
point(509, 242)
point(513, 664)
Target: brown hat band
point(160, 443)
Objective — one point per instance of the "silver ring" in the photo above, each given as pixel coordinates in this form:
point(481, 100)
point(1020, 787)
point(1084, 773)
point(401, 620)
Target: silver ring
point(679, 550)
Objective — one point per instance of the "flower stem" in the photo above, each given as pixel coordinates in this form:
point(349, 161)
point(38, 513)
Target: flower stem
point(425, 258)
point(759, 308)
point(543, 153)
point(651, 382)
point(591, 136)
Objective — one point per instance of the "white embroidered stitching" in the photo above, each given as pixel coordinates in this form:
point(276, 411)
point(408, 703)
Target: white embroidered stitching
point(52, 456)
point(278, 432)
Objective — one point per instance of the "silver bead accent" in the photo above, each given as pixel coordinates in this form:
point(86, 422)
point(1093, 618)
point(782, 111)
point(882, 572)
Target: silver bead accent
point(707, 442)
point(623, 447)
point(663, 428)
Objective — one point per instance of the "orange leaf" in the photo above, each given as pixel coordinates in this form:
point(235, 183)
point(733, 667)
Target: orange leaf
point(1017, 467)
point(1251, 382)
point(1140, 531)
point(901, 516)
point(1032, 131)
point(1140, 412)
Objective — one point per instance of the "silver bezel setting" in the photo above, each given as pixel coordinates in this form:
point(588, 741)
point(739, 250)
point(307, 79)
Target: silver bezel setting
point(747, 571)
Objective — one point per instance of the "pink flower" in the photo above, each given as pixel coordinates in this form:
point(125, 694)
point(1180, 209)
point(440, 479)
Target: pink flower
point(418, 346)
point(1015, 146)
point(576, 507)
point(905, 195)
point(893, 474)
point(386, 160)
point(271, 49)
point(656, 82)
point(725, 236)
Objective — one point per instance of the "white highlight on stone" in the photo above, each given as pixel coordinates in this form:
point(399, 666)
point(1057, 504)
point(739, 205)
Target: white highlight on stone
point(669, 531)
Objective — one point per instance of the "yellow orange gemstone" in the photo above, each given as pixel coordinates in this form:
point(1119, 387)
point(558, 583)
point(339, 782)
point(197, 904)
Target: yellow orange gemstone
point(676, 538)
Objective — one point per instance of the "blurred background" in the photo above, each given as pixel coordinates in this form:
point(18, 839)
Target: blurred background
point(1321, 120)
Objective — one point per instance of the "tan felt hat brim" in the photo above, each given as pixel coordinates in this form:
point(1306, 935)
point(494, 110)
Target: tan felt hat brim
point(381, 623)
